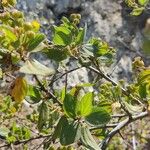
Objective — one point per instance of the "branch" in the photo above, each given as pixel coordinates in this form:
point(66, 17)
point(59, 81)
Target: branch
point(26, 141)
point(104, 126)
point(114, 83)
point(118, 115)
point(121, 125)
point(67, 72)
point(50, 95)
point(126, 142)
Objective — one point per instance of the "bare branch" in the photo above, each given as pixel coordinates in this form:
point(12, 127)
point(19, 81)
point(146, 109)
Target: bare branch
point(104, 126)
point(50, 95)
point(121, 125)
point(26, 141)
point(67, 72)
point(118, 115)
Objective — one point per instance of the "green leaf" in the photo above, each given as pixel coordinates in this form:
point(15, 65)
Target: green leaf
point(98, 48)
point(11, 139)
point(142, 90)
point(144, 76)
point(33, 43)
point(87, 139)
point(36, 68)
point(56, 54)
point(62, 121)
point(62, 36)
point(34, 94)
point(65, 21)
point(43, 115)
point(26, 133)
point(84, 106)
point(80, 36)
point(143, 2)
point(85, 84)
point(71, 132)
point(62, 94)
point(69, 106)
point(8, 33)
point(39, 48)
point(98, 116)
point(137, 11)
point(75, 91)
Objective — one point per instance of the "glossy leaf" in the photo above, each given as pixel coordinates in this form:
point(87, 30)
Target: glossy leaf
point(36, 68)
point(144, 76)
point(98, 116)
point(142, 90)
point(84, 106)
point(62, 122)
point(85, 85)
point(43, 115)
point(143, 2)
point(33, 43)
point(137, 11)
point(62, 94)
point(75, 91)
point(56, 54)
point(70, 133)
point(34, 94)
point(8, 33)
point(62, 36)
point(80, 36)
point(69, 105)
point(39, 48)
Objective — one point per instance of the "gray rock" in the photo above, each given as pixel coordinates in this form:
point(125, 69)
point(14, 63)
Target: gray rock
point(104, 19)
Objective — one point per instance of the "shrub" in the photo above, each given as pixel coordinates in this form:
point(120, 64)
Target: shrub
point(66, 118)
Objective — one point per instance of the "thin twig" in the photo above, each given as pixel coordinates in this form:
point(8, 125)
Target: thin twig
point(67, 72)
point(126, 142)
point(118, 115)
point(121, 125)
point(50, 95)
point(133, 137)
point(9, 75)
point(103, 126)
point(26, 141)
point(66, 83)
point(39, 146)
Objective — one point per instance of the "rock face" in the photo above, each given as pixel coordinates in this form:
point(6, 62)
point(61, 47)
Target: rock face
point(105, 19)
